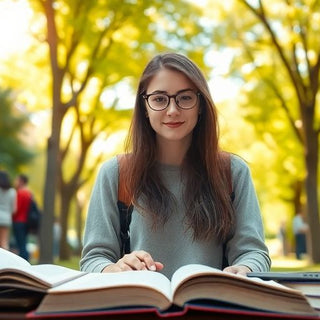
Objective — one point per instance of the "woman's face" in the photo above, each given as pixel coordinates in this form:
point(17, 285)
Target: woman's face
point(172, 123)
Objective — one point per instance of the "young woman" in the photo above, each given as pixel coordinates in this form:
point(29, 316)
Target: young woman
point(176, 177)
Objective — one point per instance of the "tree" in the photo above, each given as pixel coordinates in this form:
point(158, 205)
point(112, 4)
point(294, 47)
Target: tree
point(90, 43)
point(13, 151)
point(279, 51)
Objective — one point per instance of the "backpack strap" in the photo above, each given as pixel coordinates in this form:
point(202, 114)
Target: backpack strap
point(125, 206)
point(123, 194)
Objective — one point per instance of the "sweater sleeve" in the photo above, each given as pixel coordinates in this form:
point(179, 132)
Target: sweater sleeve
point(101, 242)
point(247, 245)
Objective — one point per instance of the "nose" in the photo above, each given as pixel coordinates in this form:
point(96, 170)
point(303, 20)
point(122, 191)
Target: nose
point(172, 107)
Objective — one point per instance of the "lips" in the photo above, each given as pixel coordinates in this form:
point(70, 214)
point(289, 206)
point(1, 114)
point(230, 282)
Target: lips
point(173, 124)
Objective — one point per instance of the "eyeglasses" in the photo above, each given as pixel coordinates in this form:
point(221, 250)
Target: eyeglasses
point(160, 101)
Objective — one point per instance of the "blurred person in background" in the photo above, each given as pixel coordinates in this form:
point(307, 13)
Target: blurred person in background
point(7, 208)
point(300, 229)
point(19, 225)
point(56, 237)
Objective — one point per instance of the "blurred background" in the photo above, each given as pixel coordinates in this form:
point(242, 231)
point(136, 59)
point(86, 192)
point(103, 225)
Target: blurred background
point(68, 75)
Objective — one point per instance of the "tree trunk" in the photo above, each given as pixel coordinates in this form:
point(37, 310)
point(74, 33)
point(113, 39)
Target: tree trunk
point(312, 158)
point(46, 231)
point(58, 111)
point(66, 197)
point(79, 226)
point(297, 189)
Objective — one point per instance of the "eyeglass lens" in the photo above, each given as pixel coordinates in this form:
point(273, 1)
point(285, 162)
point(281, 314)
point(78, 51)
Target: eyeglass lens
point(185, 100)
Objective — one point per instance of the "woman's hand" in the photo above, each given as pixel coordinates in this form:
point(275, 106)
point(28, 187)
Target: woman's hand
point(136, 260)
point(240, 270)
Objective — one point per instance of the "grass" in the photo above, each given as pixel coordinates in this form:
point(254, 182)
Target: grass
point(73, 263)
point(291, 264)
point(286, 264)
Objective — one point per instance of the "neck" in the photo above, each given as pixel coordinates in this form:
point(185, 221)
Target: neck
point(172, 152)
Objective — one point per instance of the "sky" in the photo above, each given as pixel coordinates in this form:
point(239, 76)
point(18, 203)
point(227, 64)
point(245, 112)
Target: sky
point(14, 19)
point(15, 36)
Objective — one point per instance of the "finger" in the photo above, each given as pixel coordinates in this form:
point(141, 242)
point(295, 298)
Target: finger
point(231, 269)
point(242, 273)
point(239, 270)
point(159, 265)
point(228, 269)
point(112, 268)
point(144, 266)
point(243, 270)
point(131, 262)
point(146, 258)
point(124, 266)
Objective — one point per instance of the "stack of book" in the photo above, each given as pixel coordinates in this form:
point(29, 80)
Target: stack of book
point(306, 282)
point(56, 291)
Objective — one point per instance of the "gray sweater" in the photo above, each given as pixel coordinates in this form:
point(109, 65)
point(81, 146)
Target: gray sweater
point(172, 244)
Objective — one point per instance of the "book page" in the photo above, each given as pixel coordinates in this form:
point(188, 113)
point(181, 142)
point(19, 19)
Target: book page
point(308, 288)
point(195, 270)
point(95, 291)
point(189, 271)
point(202, 282)
point(315, 302)
point(95, 281)
point(9, 259)
point(54, 275)
point(13, 267)
point(49, 275)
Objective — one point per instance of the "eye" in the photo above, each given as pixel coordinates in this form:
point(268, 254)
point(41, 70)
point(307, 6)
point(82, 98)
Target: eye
point(158, 98)
point(185, 97)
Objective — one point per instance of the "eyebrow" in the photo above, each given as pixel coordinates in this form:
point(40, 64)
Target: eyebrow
point(166, 92)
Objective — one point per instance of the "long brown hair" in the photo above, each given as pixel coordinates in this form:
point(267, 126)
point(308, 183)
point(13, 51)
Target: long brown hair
point(209, 212)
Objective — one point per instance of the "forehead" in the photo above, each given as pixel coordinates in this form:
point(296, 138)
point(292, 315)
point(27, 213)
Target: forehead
point(169, 81)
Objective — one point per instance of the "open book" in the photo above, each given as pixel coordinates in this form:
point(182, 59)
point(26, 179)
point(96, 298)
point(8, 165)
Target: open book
point(24, 285)
point(15, 272)
point(190, 284)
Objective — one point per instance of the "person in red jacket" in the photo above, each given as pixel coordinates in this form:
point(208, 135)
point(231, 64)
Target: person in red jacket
point(19, 219)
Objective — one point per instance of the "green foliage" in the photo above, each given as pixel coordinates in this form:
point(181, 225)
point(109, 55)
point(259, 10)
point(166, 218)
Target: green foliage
point(13, 152)
point(277, 59)
point(276, 68)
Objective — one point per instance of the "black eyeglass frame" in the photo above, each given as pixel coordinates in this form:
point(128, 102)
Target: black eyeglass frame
point(174, 96)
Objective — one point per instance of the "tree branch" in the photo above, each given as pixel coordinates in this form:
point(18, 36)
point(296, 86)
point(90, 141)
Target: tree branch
point(52, 36)
point(278, 94)
point(260, 14)
point(285, 107)
point(63, 151)
point(314, 76)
